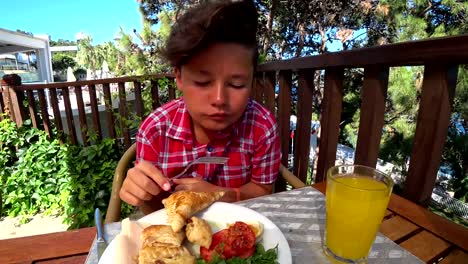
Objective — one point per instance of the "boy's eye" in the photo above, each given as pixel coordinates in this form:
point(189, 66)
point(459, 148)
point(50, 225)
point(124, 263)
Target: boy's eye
point(237, 86)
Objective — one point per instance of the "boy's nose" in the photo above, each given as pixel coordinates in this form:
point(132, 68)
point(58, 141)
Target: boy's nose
point(219, 95)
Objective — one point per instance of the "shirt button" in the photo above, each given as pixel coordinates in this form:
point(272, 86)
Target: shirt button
point(209, 148)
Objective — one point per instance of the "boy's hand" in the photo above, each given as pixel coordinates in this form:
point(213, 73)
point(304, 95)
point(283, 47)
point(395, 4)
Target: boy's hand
point(194, 184)
point(199, 185)
point(142, 183)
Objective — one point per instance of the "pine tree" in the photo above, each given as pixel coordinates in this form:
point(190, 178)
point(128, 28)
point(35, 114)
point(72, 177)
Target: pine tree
point(413, 20)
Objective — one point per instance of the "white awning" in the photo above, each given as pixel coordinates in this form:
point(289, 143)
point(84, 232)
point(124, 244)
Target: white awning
point(13, 42)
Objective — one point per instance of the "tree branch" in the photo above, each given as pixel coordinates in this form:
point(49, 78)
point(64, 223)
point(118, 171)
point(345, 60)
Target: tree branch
point(397, 115)
point(269, 27)
point(428, 8)
point(178, 8)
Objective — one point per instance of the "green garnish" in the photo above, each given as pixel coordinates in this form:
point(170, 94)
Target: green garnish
point(261, 256)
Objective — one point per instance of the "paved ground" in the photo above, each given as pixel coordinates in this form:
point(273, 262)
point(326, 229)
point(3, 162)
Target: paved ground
point(11, 228)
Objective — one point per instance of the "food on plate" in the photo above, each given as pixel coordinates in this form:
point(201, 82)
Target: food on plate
point(198, 232)
point(165, 254)
point(237, 243)
point(261, 255)
point(238, 240)
point(163, 246)
point(182, 205)
point(161, 234)
point(257, 228)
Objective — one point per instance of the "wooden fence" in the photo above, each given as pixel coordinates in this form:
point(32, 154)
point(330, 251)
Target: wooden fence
point(36, 108)
point(440, 57)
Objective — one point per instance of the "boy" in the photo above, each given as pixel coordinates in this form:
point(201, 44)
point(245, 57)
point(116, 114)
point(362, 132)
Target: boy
point(213, 51)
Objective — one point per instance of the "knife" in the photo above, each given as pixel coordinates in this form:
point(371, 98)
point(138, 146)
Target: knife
point(100, 241)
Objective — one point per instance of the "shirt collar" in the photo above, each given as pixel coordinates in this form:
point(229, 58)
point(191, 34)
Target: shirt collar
point(180, 127)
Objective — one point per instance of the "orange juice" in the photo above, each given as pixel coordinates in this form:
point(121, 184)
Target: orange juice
point(355, 208)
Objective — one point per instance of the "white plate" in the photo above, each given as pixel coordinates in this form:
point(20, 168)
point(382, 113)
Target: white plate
point(222, 213)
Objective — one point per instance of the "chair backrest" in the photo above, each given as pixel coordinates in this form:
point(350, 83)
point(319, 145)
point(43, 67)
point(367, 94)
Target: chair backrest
point(113, 210)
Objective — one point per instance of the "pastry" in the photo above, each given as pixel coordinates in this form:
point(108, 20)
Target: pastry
point(161, 234)
point(159, 244)
point(165, 254)
point(198, 232)
point(184, 204)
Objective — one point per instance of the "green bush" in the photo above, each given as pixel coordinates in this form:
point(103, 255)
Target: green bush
point(29, 160)
point(38, 174)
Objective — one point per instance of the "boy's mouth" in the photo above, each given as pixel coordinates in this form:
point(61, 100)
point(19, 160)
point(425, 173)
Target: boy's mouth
point(218, 116)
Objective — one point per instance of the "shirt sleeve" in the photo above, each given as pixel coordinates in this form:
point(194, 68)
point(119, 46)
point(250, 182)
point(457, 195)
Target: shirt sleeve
point(147, 143)
point(267, 157)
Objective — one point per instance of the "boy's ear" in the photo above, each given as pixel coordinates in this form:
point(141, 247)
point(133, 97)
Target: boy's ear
point(178, 76)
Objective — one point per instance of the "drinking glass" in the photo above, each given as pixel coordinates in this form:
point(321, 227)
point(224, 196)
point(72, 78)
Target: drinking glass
point(356, 200)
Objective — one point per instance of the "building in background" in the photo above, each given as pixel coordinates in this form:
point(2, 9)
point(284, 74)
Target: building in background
point(32, 56)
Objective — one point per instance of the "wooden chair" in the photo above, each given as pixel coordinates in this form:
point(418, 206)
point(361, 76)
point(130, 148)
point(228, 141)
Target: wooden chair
point(113, 210)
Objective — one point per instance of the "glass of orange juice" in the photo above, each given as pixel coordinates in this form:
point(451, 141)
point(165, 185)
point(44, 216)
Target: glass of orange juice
point(356, 200)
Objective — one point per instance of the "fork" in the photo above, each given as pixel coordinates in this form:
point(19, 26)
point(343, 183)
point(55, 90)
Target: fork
point(204, 160)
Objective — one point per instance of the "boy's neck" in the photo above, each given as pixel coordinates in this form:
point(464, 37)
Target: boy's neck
point(201, 136)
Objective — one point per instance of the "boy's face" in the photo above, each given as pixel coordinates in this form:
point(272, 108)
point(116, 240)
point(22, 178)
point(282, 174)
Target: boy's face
point(216, 84)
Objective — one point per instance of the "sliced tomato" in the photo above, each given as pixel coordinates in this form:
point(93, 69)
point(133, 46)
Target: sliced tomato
point(217, 245)
point(240, 238)
point(248, 253)
point(236, 241)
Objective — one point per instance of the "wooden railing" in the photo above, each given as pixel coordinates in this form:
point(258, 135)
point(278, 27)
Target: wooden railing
point(440, 57)
point(13, 94)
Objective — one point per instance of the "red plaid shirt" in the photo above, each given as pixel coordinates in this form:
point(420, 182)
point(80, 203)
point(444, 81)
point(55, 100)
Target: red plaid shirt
point(252, 145)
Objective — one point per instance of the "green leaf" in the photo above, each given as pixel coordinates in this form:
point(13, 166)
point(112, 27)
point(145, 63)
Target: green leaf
point(36, 196)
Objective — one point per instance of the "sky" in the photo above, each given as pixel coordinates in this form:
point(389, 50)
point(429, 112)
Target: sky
point(63, 19)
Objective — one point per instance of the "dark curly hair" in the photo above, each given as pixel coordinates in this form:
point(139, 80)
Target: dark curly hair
point(210, 23)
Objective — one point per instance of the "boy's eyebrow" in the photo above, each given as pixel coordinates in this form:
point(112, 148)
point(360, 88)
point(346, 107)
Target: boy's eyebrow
point(239, 76)
point(234, 76)
point(204, 72)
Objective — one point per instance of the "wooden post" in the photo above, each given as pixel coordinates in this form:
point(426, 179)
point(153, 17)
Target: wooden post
point(69, 114)
point(2, 104)
point(95, 111)
point(304, 118)
point(330, 121)
point(269, 91)
point(257, 88)
point(109, 110)
point(438, 91)
point(284, 111)
point(13, 100)
point(373, 97)
point(44, 113)
point(56, 110)
point(32, 108)
point(82, 115)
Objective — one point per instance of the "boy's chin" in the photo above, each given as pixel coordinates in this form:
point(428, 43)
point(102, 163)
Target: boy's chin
point(215, 126)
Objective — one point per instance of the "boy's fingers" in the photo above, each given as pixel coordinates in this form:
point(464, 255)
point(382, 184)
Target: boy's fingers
point(181, 188)
point(186, 180)
point(137, 191)
point(154, 173)
point(145, 182)
point(130, 198)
